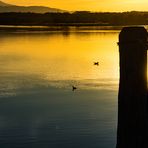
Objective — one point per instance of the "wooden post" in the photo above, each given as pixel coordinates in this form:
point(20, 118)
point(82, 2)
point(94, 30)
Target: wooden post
point(132, 98)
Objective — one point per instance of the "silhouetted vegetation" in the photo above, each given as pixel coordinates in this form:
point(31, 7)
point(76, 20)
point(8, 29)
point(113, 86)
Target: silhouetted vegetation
point(75, 18)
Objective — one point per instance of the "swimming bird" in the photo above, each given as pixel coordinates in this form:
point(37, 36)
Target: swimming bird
point(74, 88)
point(96, 63)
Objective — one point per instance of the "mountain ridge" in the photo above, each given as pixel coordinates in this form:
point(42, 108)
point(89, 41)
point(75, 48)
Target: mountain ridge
point(5, 7)
point(5, 4)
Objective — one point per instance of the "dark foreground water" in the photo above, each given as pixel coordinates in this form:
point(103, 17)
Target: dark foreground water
point(38, 108)
point(45, 117)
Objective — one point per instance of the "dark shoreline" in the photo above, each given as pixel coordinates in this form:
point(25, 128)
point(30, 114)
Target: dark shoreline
point(76, 19)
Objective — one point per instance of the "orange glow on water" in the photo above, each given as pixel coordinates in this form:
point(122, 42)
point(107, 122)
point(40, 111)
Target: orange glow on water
point(59, 56)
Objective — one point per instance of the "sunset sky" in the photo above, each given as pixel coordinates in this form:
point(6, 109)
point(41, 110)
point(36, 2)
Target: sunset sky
point(90, 5)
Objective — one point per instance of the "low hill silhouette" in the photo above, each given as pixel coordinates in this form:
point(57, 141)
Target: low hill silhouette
point(4, 7)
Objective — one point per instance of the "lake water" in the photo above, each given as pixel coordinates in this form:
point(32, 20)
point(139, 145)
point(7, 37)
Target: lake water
point(38, 108)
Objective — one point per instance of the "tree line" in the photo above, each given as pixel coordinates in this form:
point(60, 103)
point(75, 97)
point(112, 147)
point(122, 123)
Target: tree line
point(77, 18)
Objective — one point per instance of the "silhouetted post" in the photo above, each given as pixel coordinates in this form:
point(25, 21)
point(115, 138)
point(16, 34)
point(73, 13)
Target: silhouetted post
point(132, 98)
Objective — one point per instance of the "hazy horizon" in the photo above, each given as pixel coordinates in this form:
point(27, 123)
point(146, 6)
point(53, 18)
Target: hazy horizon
point(87, 5)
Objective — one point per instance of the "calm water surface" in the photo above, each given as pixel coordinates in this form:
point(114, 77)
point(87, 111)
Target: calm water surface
point(38, 108)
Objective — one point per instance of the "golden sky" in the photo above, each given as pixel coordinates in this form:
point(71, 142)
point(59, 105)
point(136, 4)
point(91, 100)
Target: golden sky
point(89, 5)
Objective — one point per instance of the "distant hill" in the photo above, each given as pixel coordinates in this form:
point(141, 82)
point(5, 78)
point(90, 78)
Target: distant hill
point(5, 4)
point(4, 7)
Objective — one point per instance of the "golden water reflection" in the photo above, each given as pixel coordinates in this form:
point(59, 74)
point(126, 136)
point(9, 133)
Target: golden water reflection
point(58, 56)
